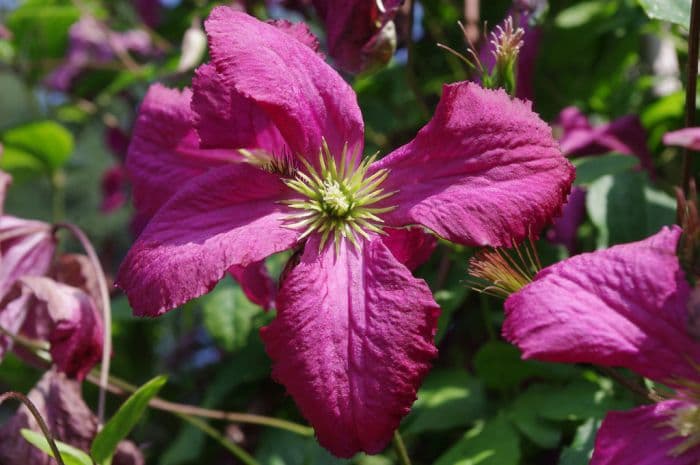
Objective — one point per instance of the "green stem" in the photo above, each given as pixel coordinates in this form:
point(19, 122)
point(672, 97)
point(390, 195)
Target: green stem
point(37, 416)
point(118, 386)
point(236, 450)
point(691, 87)
point(401, 449)
point(484, 307)
point(58, 184)
point(105, 306)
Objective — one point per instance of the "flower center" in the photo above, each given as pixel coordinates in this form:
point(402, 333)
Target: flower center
point(686, 423)
point(337, 200)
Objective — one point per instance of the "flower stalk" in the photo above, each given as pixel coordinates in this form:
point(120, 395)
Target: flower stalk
point(37, 416)
point(691, 87)
point(105, 306)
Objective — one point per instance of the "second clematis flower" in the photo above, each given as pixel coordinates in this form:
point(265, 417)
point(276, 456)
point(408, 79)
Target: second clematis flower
point(627, 306)
point(279, 166)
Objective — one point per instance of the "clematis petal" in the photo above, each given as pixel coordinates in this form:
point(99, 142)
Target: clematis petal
point(256, 283)
point(354, 28)
point(73, 325)
point(640, 437)
point(624, 306)
point(300, 32)
point(298, 91)
point(164, 153)
point(26, 249)
point(495, 173)
point(225, 118)
point(351, 342)
point(688, 138)
point(229, 216)
point(410, 246)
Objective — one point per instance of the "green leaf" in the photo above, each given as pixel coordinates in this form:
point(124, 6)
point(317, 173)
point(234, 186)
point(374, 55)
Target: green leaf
point(675, 11)
point(581, 448)
point(279, 447)
point(499, 366)
point(48, 141)
point(40, 30)
point(228, 316)
point(625, 208)
point(580, 14)
point(20, 164)
point(588, 169)
point(121, 424)
point(69, 454)
point(494, 442)
point(448, 398)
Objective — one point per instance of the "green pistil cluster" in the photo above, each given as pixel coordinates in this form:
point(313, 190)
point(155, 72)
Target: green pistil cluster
point(337, 199)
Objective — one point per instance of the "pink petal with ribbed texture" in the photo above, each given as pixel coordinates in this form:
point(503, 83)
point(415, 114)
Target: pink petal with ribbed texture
point(300, 32)
point(639, 437)
point(229, 216)
point(410, 246)
point(624, 306)
point(164, 153)
point(256, 283)
point(298, 91)
point(688, 138)
point(225, 118)
point(352, 27)
point(73, 322)
point(351, 342)
point(484, 171)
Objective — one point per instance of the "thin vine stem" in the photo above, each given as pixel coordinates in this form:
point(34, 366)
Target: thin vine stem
point(232, 447)
point(106, 314)
point(121, 387)
point(37, 416)
point(691, 87)
point(400, 447)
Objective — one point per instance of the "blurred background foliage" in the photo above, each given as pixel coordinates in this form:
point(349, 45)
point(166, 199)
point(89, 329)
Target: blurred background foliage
point(481, 404)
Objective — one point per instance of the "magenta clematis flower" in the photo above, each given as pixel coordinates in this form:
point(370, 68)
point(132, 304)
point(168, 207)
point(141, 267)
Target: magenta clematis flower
point(625, 306)
point(279, 167)
point(687, 137)
point(578, 137)
point(37, 307)
point(93, 43)
point(360, 33)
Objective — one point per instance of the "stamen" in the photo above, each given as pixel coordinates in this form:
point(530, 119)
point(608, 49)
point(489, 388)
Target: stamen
point(500, 272)
point(337, 199)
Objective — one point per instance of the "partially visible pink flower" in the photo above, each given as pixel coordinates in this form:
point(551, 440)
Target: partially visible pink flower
point(564, 231)
point(279, 166)
point(92, 43)
point(688, 138)
point(360, 33)
point(5, 34)
point(625, 135)
point(626, 307)
point(578, 137)
point(115, 182)
point(66, 317)
point(69, 419)
point(35, 306)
